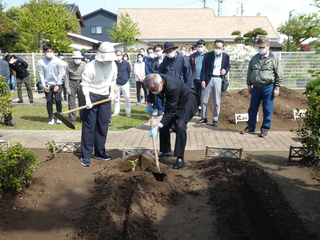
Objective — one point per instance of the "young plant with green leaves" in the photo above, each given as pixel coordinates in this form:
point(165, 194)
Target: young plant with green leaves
point(134, 163)
point(52, 147)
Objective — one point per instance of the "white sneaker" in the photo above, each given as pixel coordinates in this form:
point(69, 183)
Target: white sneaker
point(59, 121)
point(51, 122)
point(115, 114)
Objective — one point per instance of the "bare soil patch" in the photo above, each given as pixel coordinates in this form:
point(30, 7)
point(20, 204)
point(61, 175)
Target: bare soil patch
point(208, 199)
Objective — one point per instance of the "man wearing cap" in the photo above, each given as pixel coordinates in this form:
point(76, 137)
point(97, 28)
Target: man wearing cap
point(98, 83)
point(176, 65)
point(264, 78)
point(73, 83)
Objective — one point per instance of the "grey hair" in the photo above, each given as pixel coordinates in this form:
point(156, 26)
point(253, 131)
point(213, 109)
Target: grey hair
point(152, 79)
point(263, 40)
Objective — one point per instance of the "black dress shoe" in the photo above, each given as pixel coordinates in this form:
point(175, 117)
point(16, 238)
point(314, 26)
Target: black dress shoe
point(179, 163)
point(165, 154)
point(9, 124)
point(202, 120)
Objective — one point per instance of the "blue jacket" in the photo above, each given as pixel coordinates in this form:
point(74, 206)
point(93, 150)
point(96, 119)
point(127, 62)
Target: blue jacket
point(178, 67)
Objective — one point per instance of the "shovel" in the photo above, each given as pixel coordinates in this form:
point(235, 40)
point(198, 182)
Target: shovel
point(66, 121)
point(154, 147)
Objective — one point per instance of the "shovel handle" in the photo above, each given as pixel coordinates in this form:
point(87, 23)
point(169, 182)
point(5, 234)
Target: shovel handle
point(85, 106)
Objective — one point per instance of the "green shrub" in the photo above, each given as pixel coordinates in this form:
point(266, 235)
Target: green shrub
point(5, 101)
point(16, 167)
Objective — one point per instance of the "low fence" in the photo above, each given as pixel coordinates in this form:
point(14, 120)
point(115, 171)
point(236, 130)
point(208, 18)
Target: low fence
point(295, 68)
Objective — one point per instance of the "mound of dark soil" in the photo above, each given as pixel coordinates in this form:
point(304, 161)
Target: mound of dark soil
point(238, 102)
point(248, 204)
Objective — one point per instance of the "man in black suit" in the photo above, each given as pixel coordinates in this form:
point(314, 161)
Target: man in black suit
point(181, 105)
point(215, 67)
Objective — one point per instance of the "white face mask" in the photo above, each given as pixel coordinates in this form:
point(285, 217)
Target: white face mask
point(151, 55)
point(218, 51)
point(61, 57)
point(119, 58)
point(183, 52)
point(11, 61)
point(262, 51)
point(77, 61)
point(49, 55)
point(159, 54)
point(171, 55)
point(125, 58)
point(200, 49)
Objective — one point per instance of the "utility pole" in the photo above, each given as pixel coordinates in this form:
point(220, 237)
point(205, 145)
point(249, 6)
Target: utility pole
point(219, 7)
point(289, 31)
point(204, 3)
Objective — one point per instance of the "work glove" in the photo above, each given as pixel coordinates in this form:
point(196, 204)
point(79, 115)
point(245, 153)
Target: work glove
point(88, 102)
point(153, 133)
point(149, 111)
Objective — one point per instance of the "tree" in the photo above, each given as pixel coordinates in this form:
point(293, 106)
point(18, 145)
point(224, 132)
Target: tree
point(251, 36)
point(300, 28)
point(46, 21)
point(5, 24)
point(125, 31)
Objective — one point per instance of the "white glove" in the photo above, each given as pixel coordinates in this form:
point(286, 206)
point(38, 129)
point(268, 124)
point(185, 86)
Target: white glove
point(88, 102)
point(112, 96)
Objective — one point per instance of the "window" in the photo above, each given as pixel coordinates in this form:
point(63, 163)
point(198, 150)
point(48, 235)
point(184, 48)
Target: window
point(96, 30)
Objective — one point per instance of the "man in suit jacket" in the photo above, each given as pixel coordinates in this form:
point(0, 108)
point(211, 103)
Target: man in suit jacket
point(215, 66)
point(181, 105)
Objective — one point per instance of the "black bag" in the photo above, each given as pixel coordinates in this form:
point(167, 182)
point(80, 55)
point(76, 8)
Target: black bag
point(40, 87)
point(224, 85)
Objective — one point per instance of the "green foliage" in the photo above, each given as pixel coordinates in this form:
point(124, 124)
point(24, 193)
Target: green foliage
point(45, 21)
point(16, 167)
point(51, 146)
point(252, 35)
point(134, 163)
point(125, 31)
point(300, 28)
point(5, 101)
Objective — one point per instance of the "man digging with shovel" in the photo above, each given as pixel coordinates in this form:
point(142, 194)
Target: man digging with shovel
point(181, 105)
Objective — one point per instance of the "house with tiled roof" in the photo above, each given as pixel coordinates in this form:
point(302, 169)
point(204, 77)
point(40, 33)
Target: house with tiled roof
point(185, 26)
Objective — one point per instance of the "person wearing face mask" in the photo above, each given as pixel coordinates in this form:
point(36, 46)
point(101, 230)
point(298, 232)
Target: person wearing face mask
point(176, 65)
point(98, 83)
point(264, 79)
point(22, 76)
point(73, 79)
point(125, 57)
point(181, 105)
point(196, 60)
point(158, 104)
point(122, 85)
point(140, 73)
point(183, 51)
point(215, 67)
point(51, 70)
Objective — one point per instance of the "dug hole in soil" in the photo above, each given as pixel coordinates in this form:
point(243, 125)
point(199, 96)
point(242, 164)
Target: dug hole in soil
point(220, 198)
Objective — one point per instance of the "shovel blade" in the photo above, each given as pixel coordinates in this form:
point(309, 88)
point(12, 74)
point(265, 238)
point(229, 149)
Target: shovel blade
point(64, 120)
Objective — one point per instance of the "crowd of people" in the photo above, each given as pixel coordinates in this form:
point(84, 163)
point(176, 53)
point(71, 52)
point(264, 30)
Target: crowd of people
point(176, 87)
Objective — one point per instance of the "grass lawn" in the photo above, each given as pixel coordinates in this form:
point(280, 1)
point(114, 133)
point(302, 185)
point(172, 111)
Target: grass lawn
point(36, 118)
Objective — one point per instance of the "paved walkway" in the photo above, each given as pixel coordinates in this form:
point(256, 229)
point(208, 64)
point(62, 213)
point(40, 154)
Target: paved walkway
point(199, 136)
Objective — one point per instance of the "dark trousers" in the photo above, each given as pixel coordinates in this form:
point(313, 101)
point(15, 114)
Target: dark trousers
point(76, 92)
point(95, 127)
point(140, 85)
point(181, 137)
point(198, 90)
point(27, 83)
point(49, 97)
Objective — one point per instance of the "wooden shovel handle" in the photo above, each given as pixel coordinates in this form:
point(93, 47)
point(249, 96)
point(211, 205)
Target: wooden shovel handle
point(85, 106)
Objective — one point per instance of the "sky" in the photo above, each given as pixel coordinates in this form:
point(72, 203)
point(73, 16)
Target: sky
point(276, 10)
